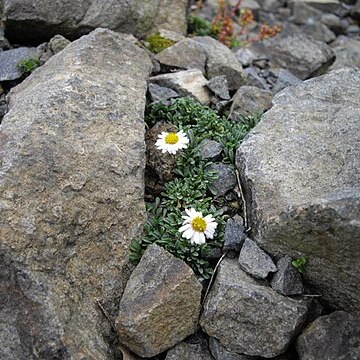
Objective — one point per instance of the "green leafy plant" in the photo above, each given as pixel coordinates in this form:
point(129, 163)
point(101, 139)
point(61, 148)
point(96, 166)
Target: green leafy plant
point(200, 27)
point(27, 66)
point(190, 188)
point(156, 43)
point(299, 263)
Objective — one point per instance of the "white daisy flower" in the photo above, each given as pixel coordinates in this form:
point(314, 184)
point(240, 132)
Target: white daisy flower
point(171, 142)
point(196, 226)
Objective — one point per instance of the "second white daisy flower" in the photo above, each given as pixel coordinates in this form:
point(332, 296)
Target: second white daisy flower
point(196, 226)
point(171, 142)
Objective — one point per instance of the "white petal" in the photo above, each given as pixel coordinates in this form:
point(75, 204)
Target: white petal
point(197, 237)
point(188, 234)
point(201, 238)
point(185, 227)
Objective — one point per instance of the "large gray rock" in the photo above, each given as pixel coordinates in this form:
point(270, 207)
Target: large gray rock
point(300, 54)
point(72, 19)
point(299, 168)
point(244, 315)
point(71, 195)
point(10, 60)
point(160, 305)
point(186, 83)
point(222, 61)
point(332, 337)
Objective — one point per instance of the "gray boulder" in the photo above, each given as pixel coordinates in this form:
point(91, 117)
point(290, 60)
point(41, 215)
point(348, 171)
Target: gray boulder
point(300, 54)
point(234, 235)
point(161, 304)
point(186, 351)
point(299, 168)
point(255, 261)
point(250, 100)
point(222, 61)
point(71, 197)
point(219, 86)
point(186, 54)
point(243, 314)
point(185, 83)
point(332, 337)
point(73, 19)
point(10, 60)
point(58, 43)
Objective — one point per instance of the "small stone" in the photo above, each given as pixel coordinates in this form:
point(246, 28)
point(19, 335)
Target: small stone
point(253, 79)
point(58, 43)
point(245, 56)
point(219, 86)
point(225, 181)
point(185, 54)
point(185, 351)
point(185, 83)
point(160, 93)
point(171, 35)
point(332, 337)
point(320, 32)
point(332, 21)
point(255, 261)
point(10, 59)
point(287, 280)
point(210, 149)
point(220, 352)
point(250, 100)
point(234, 235)
point(305, 14)
point(285, 79)
point(4, 43)
point(160, 305)
point(347, 54)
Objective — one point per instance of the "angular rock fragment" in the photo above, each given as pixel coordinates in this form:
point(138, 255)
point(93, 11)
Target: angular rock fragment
point(299, 168)
point(287, 280)
point(219, 86)
point(285, 79)
point(160, 93)
point(71, 196)
point(243, 314)
point(58, 43)
point(332, 337)
point(254, 79)
point(10, 62)
point(250, 100)
point(186, 54)
point(160, 305)
point(255, 261)
point(222, 61)
point(234, 235)
point(225, 180)
point(210, 149)
point(219, 352)
point(185, 83)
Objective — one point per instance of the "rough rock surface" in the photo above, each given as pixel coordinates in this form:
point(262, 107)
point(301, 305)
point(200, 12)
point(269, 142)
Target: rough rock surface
point(234, 235)
point(299, 168)
point(332, 337)
point(71, 195)
point(210, 149)
point(255, 261)
point(243, 314)
point(160, 93)
point(185, 83)
point(186, 54)
point(185, 351)
point(249, 100)
point(219, 86)
point(10, 59)
point(347, 54)
point(222, 61)
point(58, 43)
point(285, 79)
point(160, 305)
point(299, 54)
point(72, 19)
point(225, 180)
point(219, 352)
point(287, 280)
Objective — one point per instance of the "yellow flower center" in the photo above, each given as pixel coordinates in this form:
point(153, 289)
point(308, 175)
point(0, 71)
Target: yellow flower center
point(199, 224)
point(171, 138)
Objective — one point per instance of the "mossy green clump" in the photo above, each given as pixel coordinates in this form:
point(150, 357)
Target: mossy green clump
point(27, 66)
point(157, 43)
point(200, 27)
